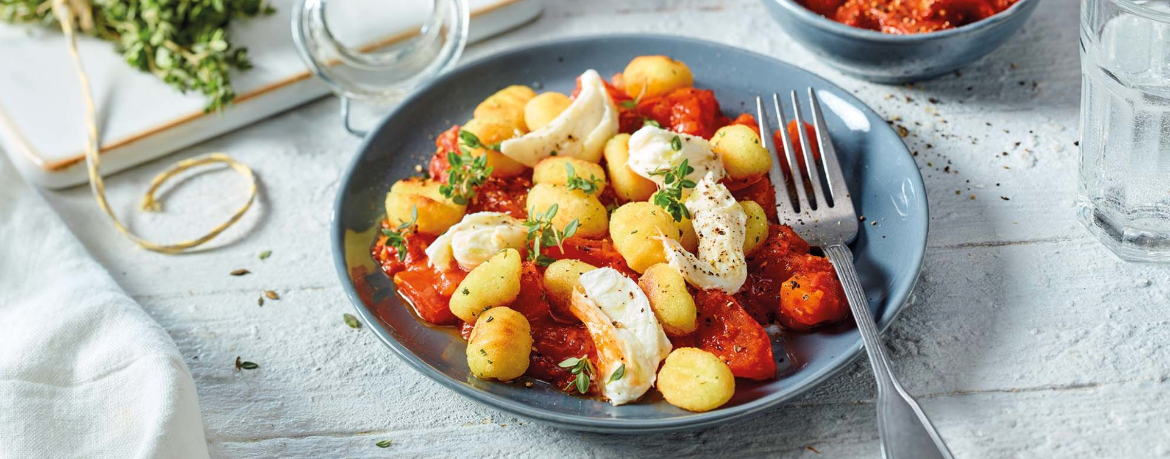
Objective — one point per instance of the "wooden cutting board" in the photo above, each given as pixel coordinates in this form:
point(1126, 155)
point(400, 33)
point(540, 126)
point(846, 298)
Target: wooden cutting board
point(41, 113)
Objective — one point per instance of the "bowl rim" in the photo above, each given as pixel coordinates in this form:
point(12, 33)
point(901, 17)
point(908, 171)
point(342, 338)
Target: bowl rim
point(897, 298)
point(838, 28)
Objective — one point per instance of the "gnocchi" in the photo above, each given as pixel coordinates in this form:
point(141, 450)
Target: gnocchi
point(651, 76)
point(560, 278)
point(499, 345)
point(506, 104)
point(553, 170)
point(544, 108)
point(742, 154)
point(757, 226)
point(628, 185)
point(435, 212)
point(492, 131)
point(695, 380)
point(496, 282)
point(592, 220)
point(672, 303)
point(634, 227)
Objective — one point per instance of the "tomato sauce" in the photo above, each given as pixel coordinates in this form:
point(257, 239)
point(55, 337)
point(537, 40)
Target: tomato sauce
point(901, 17)
point(505, 195)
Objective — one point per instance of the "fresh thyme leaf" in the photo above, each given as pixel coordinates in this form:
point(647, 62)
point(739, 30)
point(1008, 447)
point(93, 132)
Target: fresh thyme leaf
point(473, 141)
point(265, 254)
point(248, 365)
point(618, 374)
point(582, 368)
point(569, 362)
point(542, 233)
point(651, 122)
point(630, 104)
point(184, 43)
point(669, 197)
point(397, 238)
point(384, 443)
point(467, 171)
point(676, 143)
point(351, 321)
point(582, 383)
point(573, 182)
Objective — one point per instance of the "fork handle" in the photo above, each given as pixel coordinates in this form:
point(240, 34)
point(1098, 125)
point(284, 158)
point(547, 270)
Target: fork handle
point(904, 429)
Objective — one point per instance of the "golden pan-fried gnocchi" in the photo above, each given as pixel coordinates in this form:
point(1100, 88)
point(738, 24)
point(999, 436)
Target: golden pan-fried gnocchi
point(544, 108)
point(492, 131)
point(672, 303)
point(757, 226)
point(597, 311)
point(507, 104)
point(553, 170)
point(650, 76)
point(560, 278)
point(742, 154)
point(626, 184)
point(634, 227)
point(571, 205)
point(499, 345)
point(436, 212)
point(496, 282)
point(695, 380)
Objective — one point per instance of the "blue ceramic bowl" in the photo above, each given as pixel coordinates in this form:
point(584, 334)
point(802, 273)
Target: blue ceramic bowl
point(886, 58)
point(883, 179)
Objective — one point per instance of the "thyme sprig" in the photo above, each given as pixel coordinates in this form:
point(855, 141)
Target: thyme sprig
point(543, 234)
point(185, 44)
point(584, 371)
point(397, 237)
point(467, 172)
point(587, 185)
point(674, 181)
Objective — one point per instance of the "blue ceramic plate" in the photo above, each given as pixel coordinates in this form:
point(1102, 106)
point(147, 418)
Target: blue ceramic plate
point(884, 180)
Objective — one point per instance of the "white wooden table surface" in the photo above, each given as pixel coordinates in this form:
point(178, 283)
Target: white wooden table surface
point(1026, 337)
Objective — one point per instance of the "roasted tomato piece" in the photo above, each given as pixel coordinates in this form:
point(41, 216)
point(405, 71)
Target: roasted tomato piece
point(531, 302)
point(727, 331)
point(387, 256)
point(686, 110)
point(505, 195)
point(760, 191)
point(422, 291)
point(797, 149)
point(552, 343)
point(746, 119)
point(446, 142)
point(811, 299)
point(597, 252)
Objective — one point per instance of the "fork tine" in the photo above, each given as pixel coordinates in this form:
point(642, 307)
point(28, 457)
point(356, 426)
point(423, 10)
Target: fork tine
point(810, 163)
point(790, 156)
point(837, 187)
point(785, 205)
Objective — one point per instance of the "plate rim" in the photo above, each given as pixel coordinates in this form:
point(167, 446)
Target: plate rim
point(897, 297)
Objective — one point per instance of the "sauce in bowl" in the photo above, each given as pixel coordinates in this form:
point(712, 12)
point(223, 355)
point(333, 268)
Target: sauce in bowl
point(903, 17)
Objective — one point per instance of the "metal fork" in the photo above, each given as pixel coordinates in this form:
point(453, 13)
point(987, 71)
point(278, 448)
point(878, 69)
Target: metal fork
point(826, 219)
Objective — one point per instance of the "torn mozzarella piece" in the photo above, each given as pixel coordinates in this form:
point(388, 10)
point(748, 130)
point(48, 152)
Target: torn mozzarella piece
point(475, 239)
point(721, 225)
point(651, 150)
point(579, 132)
point(628, 338)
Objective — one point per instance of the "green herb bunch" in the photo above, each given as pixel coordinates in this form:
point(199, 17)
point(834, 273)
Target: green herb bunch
point(669, 197)
point(543, 234)
point(467, 172)
point(185, 43)
point(397, 237)
point(586, 185)
point(582, 368)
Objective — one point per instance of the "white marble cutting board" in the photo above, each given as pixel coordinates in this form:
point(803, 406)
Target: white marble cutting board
point(41, 113)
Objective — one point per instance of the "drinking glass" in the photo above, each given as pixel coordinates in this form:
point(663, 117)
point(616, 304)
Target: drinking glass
point(1124, 193)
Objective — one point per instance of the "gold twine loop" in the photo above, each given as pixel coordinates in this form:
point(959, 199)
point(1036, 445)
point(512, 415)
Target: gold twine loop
point(79, 11)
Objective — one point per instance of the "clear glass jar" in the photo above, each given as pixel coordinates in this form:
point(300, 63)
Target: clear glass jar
point(378, 51)
point(1124, 192)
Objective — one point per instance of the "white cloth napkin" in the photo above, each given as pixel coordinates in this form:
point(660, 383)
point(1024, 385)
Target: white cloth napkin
point(84, 371)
